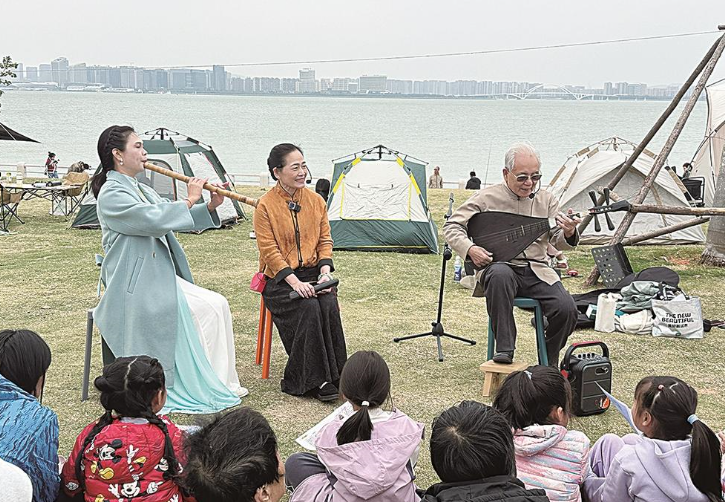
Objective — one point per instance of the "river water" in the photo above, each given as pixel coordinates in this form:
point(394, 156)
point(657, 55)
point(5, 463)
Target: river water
point(460, 135)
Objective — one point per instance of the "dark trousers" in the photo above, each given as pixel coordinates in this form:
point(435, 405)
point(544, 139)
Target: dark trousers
point(311, 332)
point(300, 466)
point(502, 283)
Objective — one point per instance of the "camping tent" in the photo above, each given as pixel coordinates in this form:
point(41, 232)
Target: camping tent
point(8, 134)
point(179, 153)
point(710, 155)
point(595, 166)
point(379, 202)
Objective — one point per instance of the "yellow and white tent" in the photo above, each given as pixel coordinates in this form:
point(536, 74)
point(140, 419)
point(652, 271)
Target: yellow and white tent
point(378, 202)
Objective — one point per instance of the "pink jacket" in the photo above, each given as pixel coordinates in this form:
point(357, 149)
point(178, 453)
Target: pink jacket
point(552, 458)
point(377, 470)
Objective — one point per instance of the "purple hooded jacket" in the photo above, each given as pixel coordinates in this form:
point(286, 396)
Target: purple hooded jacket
point(652, 470)
point(377, 470)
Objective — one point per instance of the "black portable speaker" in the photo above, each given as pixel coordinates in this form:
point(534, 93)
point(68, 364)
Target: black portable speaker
point(585, 370)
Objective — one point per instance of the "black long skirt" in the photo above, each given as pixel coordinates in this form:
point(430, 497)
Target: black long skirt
point(311, 332)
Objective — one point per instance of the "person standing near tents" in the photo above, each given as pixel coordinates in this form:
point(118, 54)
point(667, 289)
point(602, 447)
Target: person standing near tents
point(151, 305)
point(295, 251)
point(473, 183)
point(435, 180)
point(51, 166)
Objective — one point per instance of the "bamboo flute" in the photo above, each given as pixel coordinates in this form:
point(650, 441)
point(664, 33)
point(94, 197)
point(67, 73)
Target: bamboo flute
point(226, 193)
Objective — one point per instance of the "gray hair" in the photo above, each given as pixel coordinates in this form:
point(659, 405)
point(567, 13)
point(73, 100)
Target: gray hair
point(523, 147)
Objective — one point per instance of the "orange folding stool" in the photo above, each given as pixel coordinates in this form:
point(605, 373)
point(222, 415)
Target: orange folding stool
point(264, 339)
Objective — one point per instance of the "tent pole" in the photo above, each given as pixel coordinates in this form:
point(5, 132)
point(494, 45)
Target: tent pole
point(666, 230)
point(664, 153)
point(652, 132)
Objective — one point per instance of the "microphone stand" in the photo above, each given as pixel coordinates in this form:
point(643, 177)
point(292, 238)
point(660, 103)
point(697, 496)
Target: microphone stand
point(438, 330)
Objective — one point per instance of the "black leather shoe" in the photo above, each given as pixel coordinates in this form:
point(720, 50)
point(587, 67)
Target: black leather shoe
point(504, 357)
point(327, 393)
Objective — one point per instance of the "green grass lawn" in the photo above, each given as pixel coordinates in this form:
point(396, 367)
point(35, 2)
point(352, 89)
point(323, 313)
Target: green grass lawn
point(48, 281)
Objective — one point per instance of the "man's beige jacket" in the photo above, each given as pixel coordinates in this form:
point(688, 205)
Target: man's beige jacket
point(500, 198)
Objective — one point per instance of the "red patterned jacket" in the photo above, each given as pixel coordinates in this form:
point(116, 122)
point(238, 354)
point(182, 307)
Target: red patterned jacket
point(125, 462)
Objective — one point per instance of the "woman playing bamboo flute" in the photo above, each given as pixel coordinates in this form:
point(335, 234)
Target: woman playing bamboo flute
point(151, 305)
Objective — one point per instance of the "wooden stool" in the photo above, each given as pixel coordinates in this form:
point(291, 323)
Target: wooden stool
point(264, 339)
point(494, 373)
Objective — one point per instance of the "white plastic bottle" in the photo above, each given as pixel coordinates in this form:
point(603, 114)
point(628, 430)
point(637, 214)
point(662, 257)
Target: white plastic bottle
point(457, 269)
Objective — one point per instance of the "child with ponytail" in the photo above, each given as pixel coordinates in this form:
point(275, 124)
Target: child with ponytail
point(368, 456)
point(130, 452)
point(677, 457)
point(537, 403)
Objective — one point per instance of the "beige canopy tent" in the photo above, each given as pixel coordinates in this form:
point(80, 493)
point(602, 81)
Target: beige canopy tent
point(595, 166)
point(710, 156)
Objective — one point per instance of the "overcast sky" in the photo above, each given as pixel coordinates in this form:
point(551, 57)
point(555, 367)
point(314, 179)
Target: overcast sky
point(185, 32)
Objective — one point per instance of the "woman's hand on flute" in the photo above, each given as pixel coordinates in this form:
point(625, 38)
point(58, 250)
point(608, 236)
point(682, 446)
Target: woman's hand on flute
point(216, 199)
point(193, 189)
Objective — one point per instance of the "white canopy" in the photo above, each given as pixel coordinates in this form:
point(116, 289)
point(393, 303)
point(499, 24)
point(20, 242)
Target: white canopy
point(595, 166)
point(710, 155)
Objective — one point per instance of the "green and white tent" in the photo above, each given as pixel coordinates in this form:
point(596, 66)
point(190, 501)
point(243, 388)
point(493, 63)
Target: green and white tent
point(179, 153)
point(379, 202)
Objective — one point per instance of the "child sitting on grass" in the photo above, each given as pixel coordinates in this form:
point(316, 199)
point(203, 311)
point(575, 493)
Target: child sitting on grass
point(676, 459)
point(370, 455)
point(537, 404)
point(130, 452)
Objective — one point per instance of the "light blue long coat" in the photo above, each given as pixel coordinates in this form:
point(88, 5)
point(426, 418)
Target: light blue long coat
point(138, 312)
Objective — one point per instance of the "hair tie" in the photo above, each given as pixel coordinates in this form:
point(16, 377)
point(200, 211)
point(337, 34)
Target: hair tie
point(365, 403)
point(528, 374)
point(692, 419)
point(660, 387)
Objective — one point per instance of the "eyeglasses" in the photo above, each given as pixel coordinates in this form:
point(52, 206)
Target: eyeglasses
point(521, 178)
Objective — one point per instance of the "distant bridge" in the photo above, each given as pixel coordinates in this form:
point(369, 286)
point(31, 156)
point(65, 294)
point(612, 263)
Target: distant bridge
point(554, 91)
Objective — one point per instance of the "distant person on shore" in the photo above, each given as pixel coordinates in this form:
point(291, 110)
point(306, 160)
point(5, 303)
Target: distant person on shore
point(529, 273)
point(473, 182)
point(51, 166)
point(435, 180)
point(151, 305)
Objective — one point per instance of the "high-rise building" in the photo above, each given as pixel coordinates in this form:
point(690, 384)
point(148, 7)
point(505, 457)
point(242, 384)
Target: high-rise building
point(307, 84)
point(400, 86)
point(219, 79)
point(289, 85)
point(45, 73)
point(78, 74)
point(608, 88)
point(341, 84)
point(31, 73)
point(375, 84)
point(59, 69)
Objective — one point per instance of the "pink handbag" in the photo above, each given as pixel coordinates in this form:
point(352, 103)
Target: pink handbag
point(259, 280)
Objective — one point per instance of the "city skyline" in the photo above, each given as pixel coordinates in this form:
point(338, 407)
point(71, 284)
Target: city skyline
point(61, 74)
point(228, 32)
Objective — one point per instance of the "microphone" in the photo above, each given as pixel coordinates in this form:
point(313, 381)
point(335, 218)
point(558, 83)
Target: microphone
point(293, 295)
point(533, 194)
point(450, 206)
point(309, 174)
point(293, 206)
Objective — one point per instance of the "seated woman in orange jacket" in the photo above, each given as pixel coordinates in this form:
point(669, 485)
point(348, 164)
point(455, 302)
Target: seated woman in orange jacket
point(295, 251)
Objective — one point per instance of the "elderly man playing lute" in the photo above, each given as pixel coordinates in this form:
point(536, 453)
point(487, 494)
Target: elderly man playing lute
point(528, 274)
